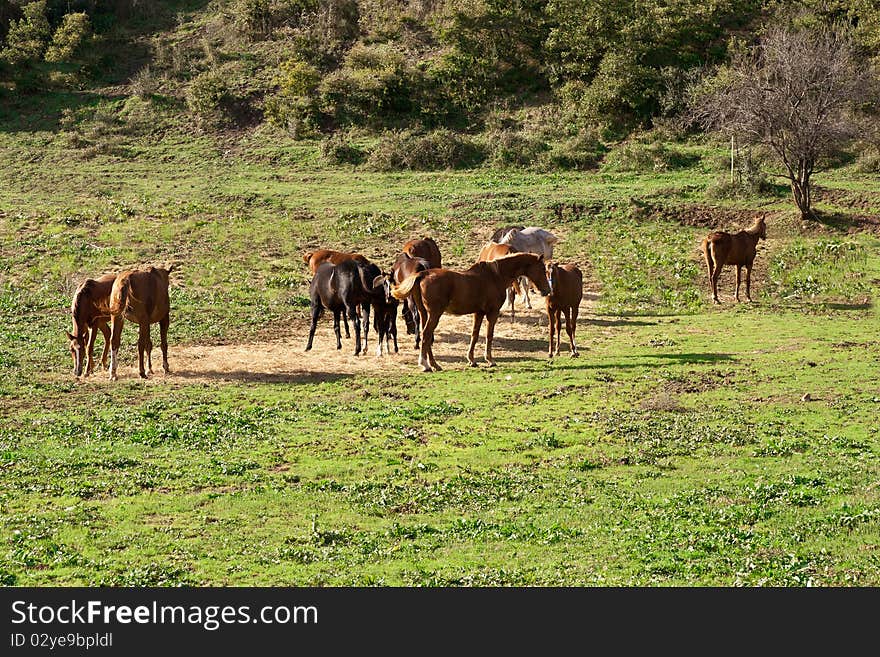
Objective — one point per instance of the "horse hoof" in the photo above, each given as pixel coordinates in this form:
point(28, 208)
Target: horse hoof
point(426, 368)
point(574, 354)
point(490, 363)
point(142, 375)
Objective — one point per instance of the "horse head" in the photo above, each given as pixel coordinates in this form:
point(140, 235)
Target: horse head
point(552, 271)
point(78, 350)
point(761, 225)
point(537, 273)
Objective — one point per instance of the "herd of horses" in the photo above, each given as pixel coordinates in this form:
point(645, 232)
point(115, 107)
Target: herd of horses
point(352, 287)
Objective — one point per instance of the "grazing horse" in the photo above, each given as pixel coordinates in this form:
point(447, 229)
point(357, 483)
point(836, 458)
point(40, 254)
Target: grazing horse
point(566, 292)
point(425, 248)
point(140, 297)
point(738, 249)
point(343, 288)
point(90, 312)
point(492, 250)
point(479, 290)
point(530, 239)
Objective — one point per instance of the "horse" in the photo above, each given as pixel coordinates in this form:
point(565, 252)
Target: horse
point(342, 289)
point(566, 291)
point(530, 239)
point(315, 258)
point(479, 290)
point(140, 296)
point(501, 232)
point(425, 248)
point(721, 248)
point(90, 312)
point(385, 316)
point(492, 250)
point(404, 266)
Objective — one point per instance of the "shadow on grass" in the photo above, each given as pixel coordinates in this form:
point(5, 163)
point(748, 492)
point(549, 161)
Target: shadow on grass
point(245, 376)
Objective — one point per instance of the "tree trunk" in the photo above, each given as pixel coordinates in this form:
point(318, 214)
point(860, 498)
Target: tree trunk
point(800, 188)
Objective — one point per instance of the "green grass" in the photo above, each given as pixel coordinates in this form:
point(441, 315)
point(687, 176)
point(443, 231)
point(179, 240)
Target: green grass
point(676, 451)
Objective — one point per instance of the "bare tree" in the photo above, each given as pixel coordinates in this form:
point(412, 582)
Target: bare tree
point(797, 92)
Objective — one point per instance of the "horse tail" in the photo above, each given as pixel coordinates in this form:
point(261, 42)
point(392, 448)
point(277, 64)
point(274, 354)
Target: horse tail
point(402, 291)
point(120, 294)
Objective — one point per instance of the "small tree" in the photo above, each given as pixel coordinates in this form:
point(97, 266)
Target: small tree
point(796, 92)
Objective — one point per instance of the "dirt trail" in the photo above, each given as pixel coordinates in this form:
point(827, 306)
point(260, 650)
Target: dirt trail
point(284, 360)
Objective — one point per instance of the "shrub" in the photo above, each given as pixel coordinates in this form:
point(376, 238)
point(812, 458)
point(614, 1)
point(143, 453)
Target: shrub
point(509, 148)
point(69, 37)
point(27, 37)
point(206, 96)
point(144, 83)
point(581, 152)
point(635, 156)
point(440, 149)
point(868, 163)
point(338, 150)
point(258, 19)
point(294, 105)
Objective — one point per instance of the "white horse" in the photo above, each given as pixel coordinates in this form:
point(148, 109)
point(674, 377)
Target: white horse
point(530, 239)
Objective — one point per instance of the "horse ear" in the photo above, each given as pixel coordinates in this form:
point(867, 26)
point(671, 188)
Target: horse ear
point(379, 281)
point(172, 267)
point(541, 258)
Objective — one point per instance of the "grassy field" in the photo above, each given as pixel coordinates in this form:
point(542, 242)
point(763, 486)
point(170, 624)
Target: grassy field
point(680, 449)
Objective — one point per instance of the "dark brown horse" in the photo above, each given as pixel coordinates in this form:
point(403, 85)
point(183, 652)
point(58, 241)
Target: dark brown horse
point(479, 290)
point(140, 297)
point(566, 292)
point(415, 255)
point(738, 249)
point(90, 312)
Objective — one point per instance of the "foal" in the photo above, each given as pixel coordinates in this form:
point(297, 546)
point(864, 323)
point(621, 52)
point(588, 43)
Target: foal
point(738, 249)
point(566, 292)
point(90, 312)
point(492, 250)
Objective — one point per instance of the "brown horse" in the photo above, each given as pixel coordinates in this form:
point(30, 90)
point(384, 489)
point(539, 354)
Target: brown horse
point(492, 250)
point(140, 297)
point(479, 290)
point(90, 312)
point(738, 249)
point(315, 258)
point(425, 248)
point(566, 292)
point(415, 255)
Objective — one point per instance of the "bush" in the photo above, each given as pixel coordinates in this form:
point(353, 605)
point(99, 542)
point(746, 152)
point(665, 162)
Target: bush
point(294, 106)
point(258, 19)
point(27, 37)
point(373, 86)
point(639, 157)
point(206, 96)
point(440, 149)
point(581, 152)
point(868, 163)
point(509, 148)
point(338, 150)
point(69, 38)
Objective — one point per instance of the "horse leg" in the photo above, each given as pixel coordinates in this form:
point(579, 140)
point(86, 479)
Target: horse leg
point(490, 332)
point(356, 320)
point(710, 273)
point(93, 333)
point(426, 355)
point(525, 283)
point(394, 332)
point(336, 317)
point(715, 276)
point(163, 342)
point(421, 318)
point(738, 275)
point(316, 313)
point(105, 330)
point(148, 351)
point(347, 334)
point(511, 298)
point(749, 283)
point(551, 318)
point(115, 338)
point(475, 335)
point(142, 345)
point(365, 323)
point(570, 327)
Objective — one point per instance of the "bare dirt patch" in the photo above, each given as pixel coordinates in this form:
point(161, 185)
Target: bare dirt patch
point(284, 359)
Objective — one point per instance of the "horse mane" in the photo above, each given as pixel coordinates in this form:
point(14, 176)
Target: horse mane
point(76, 305)
point(754, 228)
